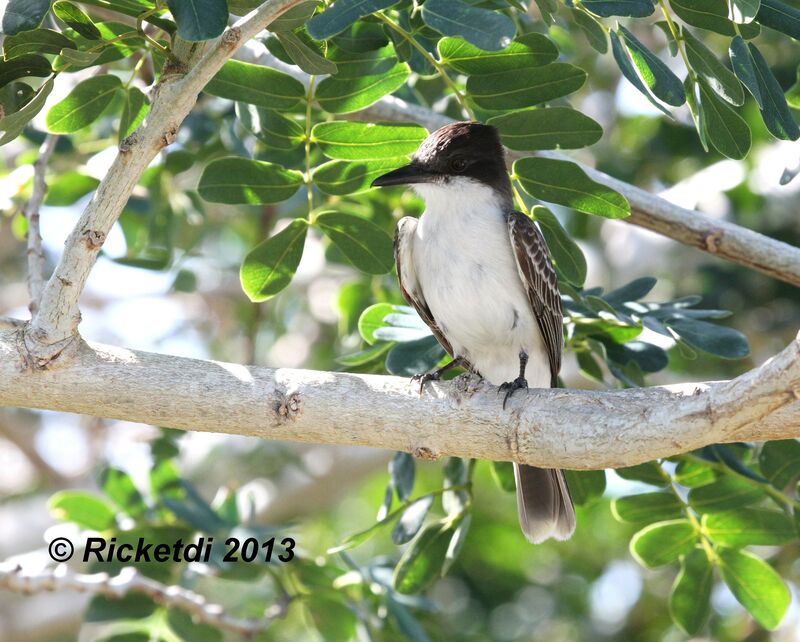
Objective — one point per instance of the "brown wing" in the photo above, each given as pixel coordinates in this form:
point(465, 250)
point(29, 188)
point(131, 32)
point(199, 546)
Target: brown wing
point(540, 281)
point(407, 276)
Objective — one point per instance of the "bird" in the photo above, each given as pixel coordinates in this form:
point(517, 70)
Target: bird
point(479, 274)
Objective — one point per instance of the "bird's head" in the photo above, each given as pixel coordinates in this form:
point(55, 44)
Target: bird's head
point(455, 157)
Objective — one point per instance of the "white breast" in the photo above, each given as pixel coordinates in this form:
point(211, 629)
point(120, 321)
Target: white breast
point(468, 276)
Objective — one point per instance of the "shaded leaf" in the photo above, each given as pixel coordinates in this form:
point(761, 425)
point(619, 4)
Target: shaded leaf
point(256, 85)
point(22, 15)
point(714, 339)
point(270, 266)
point(527, 50)
point(629, 71)
point(608, 8)
point(716, 75)
point(402, 471)
point(780, 461)
point(726, 130)
point(546, 128)
point(711, 15)
point(84, 104)
point(488, 30)
point(76, 19)
point(241, 180)
point(347, 177)
point(67, 187)
point(411, 521)
point(304, 56)
point(40, 41)
point(689, 602)
point(664, 84)
point(341, 14)
point(585, 485)
point(422, 562)
point(22, 67)
point(520, 88)
point(746, 526)
point(412, 357)
point(725, 493)
point(364, 244)
point(566, 254)
point(271, 127)
point(776, 114)
point(199, 19)
point(339, 95)
point(744, 68)
point(120, 489)
point(776, 15)
point(647, 508)
point(648, 473)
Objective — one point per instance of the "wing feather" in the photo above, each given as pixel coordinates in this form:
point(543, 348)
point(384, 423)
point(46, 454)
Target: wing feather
point(541, 284)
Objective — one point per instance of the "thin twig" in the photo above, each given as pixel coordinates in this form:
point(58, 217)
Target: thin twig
point(129, 580)
point(35, 253)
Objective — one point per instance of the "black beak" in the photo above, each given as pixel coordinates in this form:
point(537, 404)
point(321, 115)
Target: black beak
point(405, 176)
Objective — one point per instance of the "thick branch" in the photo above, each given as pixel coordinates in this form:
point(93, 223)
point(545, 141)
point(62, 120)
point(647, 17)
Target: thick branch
point(128, 581)
point(55, 325)
point(720, 238)
point(557, 428)
point(35, 254)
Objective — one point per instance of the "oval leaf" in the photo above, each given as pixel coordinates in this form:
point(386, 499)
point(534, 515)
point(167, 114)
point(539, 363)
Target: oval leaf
point(199, 19)
point(517, 89)
point(83, 105)
point(780, 462)
point(566, 254)
point(76, 19)
point(364, 244)
point(608, 8)
point(270, 266)
point(756, 585)
point(41, 41)
point(487, 30)
point(21, 15)
point(725, 493)
point(256, 85)
point(663, 542)
point(689, 602)
point(664, 84)
point(402, 472)
point(647, 508)
point(422, 562)
point(244, 181)
point(341, 14)
point(546, 128)
point(745, 526)
point(585, 485)
point(714, 339)
point(744, 68)
point(716, 75)
point(527, 50)
point(711, 15)
point(347, 177)
point(351, 140)
point(85, 509)
point(565, 183)
point(343, 95)
point(776, 114)
point(409, 524)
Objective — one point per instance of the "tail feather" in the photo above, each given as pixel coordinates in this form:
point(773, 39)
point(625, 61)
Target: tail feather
point(544, 504)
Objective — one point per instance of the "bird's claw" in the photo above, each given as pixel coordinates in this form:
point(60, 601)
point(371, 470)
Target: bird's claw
point(423, 378)
point(510, 387)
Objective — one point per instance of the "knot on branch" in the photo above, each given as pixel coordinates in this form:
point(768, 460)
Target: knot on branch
point(169, 136)
point(288, 407)
point(174, 66)
point(37, 352)
point(231, 38)
point(94, 239)
point(712, 240)
point(423, 452)
point(128, 143)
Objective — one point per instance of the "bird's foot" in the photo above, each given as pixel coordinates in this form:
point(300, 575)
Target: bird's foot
point(423, 378)
point(510, 387)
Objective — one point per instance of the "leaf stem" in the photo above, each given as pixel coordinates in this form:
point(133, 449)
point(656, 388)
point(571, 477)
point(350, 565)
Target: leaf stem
point(678, 38)
point(431, 60)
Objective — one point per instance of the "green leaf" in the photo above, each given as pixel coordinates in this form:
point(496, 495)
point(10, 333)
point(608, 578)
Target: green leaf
point(363, 357)
point(663, 542)
point(422, 562)
point(346, 177)
point(744, 68)
point(589, 367)
point(779, 16)
point(294, 18)
point(592, 29)
point(256, 85)
point(664, 84)
point(270, 266)
point(13, 124)
point(244, 181)
point(199, 19)
point(546, 128)
point(647, 508)
point(776, 114)
point(402, 472)
point(339, 95)
point(520, 88)
point(120, 489)
point(352, 140)
point(565, 183)
point(629, 71)
point(86, 510)
point(647, 473)
point(412, 357)
point(487, 30)
point(84, 104)
point(585, 485)
point(711, 15)
point(74, 60)
point(40, 41)
point(270, 127)
point(134, 109)
point(780, 462)
point(692, 474)
point(744, 11)
point(21, 15)
point(67, 187)
point(411, 521)
point(633, 291)
point(566, 254)
point(725, 493)
point(608, 8)
point(756, 585)
point(76, 19)
point(527, 50)
point(332, 618)
point(341, 14)
point(714, 339)
point(672, 44)
point(364, 244)
point(304, 56)
point(746, 526)
point(362, 37)
point(716, 75)
point(726, 130)
point(362, 63)
point(689, 602)
point(23, 66)
point(503, 475)
point(373, 318)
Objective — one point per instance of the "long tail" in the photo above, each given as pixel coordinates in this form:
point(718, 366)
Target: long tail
point(544, 504)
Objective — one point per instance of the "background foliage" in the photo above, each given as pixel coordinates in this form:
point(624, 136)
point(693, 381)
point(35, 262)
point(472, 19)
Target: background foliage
point(271, 173)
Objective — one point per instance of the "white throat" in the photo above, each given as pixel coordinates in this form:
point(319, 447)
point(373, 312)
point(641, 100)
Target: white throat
point(460, 197)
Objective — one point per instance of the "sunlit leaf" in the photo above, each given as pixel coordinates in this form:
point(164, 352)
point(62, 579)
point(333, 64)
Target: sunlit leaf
point(241, 180)
point(256, 85)
point(527, 50)
point(520, 88)
point(487, 30)
point(689, 602)
point(353, 140)
point(270, 266)
point(546, 128)
point(84, 104)
point(663, 542)
point(364, 244)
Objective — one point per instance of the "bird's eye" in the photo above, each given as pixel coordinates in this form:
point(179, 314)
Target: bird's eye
point(459, 164)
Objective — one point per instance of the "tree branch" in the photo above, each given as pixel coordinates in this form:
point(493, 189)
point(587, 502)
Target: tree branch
point(720, 238)
point(128, 581)
point(54, 327)
point(35, 254)
point(577, 429)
